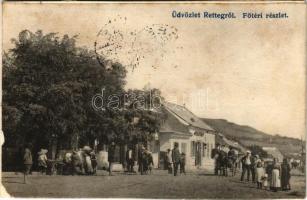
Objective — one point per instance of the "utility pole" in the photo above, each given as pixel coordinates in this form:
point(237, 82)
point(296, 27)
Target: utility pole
point(303, 155)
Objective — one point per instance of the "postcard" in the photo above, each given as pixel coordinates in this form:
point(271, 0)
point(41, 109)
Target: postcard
point(157, 100)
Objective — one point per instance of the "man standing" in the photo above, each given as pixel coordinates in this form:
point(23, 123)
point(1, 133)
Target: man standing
point(130, 159)
point(246, 165)
point(175, 158)
point(214, 155)
point(253, 167)
point(111, 152)
point(222, 160)
point(141, 156)
point(169, 161)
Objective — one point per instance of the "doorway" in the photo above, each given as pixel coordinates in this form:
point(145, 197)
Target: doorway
point(198, 154)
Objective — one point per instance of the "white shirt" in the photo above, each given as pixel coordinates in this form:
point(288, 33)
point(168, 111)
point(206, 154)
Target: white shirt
point(248, 160)
point(169, 156)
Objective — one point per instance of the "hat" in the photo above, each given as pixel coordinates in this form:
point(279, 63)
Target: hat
point(42, 151)
point(87, 148)
point(248, 152)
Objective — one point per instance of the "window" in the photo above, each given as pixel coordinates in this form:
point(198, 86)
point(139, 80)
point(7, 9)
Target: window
point(175, 143)
point(208, 150)
point(204, 150)
point(183, 148)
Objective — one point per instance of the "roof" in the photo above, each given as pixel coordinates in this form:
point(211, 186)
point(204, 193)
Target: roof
point(186, 116)
point(222, 140)
point(173, 124)
point(273, 151)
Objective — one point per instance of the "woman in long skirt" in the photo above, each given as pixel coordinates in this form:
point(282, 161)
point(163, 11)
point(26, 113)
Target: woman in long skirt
point(285, 175)
point(275, 181)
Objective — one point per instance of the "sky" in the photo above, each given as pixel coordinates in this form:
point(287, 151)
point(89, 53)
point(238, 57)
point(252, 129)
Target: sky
point(248, 71)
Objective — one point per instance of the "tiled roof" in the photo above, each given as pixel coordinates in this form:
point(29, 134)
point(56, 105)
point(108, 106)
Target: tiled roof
point(173, 124)
point(186, 116)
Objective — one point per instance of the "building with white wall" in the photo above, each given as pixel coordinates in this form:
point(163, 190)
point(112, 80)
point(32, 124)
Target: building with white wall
point(194, 137)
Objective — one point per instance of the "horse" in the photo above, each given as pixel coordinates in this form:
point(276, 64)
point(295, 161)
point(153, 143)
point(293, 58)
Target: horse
point(232, 163)
point(222, 161)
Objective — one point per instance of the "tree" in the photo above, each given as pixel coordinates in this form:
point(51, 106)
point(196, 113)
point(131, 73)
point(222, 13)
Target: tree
point(48, 85)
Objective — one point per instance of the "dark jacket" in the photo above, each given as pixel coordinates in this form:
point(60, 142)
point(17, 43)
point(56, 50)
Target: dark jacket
point(214, 152)
point(182, 159)
point(27, 158)
point(176, 155)
point(111, 153)
point(149, 159)
point(231, 153)
point(222, 156)
point(253, 162)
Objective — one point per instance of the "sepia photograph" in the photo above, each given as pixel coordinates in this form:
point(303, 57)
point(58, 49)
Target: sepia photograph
point(156, 100)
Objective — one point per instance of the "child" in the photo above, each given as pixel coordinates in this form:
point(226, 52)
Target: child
point(260, 174)
point(182, 163)
point(265, 181)
point(150, 162)
point(93, 161)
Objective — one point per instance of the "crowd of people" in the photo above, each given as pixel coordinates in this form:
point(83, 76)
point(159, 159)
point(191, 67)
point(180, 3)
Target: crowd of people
point(78, 162)
point(144, 159)
point(269, 175)
point(174, 160)
point(84, 161)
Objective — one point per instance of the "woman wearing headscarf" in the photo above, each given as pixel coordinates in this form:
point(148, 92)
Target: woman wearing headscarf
point(42, 160)
point(27, 159)
point(87, 160)
point(76, 163)
point(285, 175)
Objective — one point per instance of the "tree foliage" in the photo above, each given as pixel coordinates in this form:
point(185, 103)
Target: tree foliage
point(48, 85)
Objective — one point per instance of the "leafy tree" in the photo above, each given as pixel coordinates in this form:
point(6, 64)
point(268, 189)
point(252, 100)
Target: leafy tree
point(48, 86)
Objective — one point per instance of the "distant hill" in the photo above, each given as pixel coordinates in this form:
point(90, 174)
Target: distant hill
point(247, 136)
